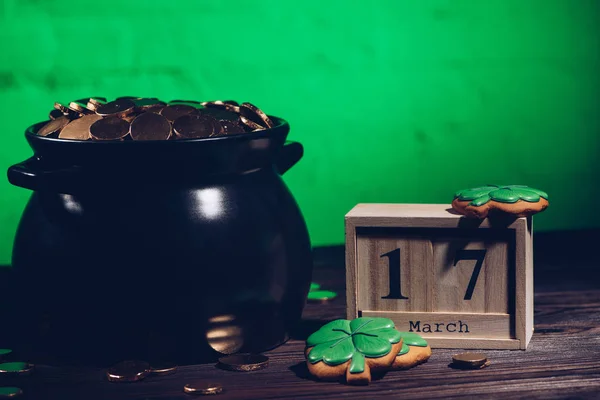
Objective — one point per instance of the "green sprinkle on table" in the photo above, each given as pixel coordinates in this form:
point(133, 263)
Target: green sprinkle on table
point(9, 391)
point(321, 295)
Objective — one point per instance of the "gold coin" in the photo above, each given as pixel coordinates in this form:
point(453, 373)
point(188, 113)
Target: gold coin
point(228, 105)
point(251, 124)
point(244, 362)
point(148, 103)
point(174, 111)
point(93, 103)
point(163, 368)
point(203, 388)
point(116, 108)
point(79, 108)
point(469, 360)
point(231, 128)
point(128, 371)
point(17, 368)
point(63, 109)
point(53, 126)
point(55, 114)
point(196, 126)
point(109, 128)
point(79, 129)
point(150, 126)
point(251, 112)
point(9, 392)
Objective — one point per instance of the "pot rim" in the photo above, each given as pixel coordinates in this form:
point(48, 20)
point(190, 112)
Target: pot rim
point(281, 125)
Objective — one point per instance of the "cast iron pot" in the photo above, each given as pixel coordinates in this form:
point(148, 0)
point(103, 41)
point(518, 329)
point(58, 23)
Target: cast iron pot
point(160, 250)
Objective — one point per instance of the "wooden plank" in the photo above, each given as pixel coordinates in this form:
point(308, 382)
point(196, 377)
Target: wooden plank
point(482, 344)
point(529, 308)
point(351, 272)
point(457, 326)
point(521, 243)
point(416, 257)
point(412, 215)
point(491, 291)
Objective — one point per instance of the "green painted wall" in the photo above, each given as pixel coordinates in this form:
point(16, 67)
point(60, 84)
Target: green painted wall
point(395, 101)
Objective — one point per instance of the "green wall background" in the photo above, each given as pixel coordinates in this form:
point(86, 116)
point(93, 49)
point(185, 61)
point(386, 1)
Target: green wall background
point(395, 101)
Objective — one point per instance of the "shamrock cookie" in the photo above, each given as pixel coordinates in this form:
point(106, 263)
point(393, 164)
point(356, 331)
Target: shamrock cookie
point(414, 351)
point(352, 349)
point(517, 200)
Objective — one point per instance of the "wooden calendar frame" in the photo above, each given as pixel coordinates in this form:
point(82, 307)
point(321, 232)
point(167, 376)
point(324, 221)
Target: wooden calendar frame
point(442, 216)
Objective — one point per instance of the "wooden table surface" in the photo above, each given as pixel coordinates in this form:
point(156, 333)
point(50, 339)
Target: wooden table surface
point(563, 360)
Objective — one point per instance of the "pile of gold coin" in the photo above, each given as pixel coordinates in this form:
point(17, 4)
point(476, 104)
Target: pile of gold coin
point(138, 118)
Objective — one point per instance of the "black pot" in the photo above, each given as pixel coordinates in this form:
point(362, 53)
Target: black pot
point(166, 250)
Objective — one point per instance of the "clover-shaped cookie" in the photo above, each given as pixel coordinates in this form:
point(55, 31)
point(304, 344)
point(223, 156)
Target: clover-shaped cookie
point(517, 200)
point(414, 351)
point(352, 349)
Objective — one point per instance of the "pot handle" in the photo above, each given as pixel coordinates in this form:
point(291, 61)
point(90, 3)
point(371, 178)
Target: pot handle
point(290, 154)
point(35, 174)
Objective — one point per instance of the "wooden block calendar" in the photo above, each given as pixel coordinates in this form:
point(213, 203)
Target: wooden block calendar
point(456, 281)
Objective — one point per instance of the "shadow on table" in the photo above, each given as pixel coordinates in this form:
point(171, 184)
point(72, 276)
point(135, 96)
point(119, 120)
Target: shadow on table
point(301, 371)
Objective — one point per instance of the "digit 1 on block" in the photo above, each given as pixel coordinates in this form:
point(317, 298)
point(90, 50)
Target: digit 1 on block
point(395, 276)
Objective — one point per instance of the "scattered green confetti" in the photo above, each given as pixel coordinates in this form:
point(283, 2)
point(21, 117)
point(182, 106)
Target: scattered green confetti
point(13, 366)
point(320, 295)
point(9, 391)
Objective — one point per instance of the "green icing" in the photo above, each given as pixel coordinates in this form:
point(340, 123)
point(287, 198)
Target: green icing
point(504, 194)
point(405, 349)
point(341, 340)
point(321, 295)
point(8, 391)
point(357, 365)
point(412, 339)
point(13, 366)
point(314, 286)
point(4, 352)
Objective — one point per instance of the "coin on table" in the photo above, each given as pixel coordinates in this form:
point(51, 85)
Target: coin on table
point(79, 129)
point(109, 128)
point(203, 388)
point(128, 371)
point(17, 368)
point(9, 392)
point(244, 362)
point(150, 126)
point(231, 128)
point(321, 296)
point(166, 368)
point(55, 114)
point(174, 111)
point(116, 108)
point(53, 126)
point(146, 103)
point(469, 360)
point(251, 124)
point(79, 108)
point(196, 126)
point(253, 113)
